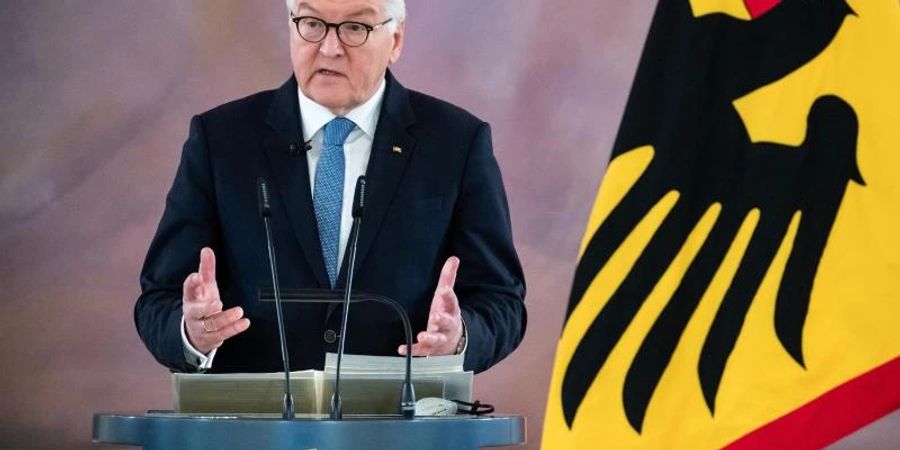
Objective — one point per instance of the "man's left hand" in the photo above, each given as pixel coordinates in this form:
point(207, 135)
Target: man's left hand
point(445, 327)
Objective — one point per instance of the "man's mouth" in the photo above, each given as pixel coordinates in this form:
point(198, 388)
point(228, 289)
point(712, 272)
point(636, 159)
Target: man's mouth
point(329, 73)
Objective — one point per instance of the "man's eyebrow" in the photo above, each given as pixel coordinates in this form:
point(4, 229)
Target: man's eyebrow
point(363, 12)
point(307, 6)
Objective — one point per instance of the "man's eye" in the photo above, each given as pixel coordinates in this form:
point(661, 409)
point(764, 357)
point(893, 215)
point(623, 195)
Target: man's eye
point(312, 24)
point(354, 27)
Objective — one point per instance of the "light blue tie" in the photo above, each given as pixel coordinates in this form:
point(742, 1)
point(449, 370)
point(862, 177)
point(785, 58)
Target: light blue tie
point(328, 196)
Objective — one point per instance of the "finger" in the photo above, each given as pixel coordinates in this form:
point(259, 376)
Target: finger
point(436, 322)
point(230, 330)
point(195, 304)
point(207, 265)
point(448, 273)
point(205, 342)
point(442, 322)
point(445, 302)
point(219, 320)
point(429, 339)
point(200, 308)
point(191, 283)
point(198, 312)
point(417, 350)
point(196, 290)
point(421, 348)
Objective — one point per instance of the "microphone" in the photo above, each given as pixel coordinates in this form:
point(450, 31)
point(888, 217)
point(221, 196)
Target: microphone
point(294, 149)
point(265, 205)
point(265, 211)
point(359, 202)
point(359, 199)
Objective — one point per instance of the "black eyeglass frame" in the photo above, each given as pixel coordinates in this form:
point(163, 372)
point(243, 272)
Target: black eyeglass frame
point(337, 29)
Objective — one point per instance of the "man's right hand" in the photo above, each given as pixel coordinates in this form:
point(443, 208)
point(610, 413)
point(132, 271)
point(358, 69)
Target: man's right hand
point(206, 324)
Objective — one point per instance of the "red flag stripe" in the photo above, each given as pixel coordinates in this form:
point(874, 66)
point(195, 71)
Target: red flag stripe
point(831, 416)
point(757, 8)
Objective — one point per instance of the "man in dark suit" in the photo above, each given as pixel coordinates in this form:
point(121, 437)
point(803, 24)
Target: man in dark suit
point(435, 237)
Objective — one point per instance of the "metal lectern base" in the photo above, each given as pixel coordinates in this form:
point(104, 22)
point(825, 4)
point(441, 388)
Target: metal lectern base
point(160, 431)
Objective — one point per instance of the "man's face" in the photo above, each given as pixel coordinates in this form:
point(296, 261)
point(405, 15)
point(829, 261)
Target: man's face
point(333, 74)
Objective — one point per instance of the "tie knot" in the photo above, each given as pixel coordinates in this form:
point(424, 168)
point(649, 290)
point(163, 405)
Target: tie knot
point(337, 130)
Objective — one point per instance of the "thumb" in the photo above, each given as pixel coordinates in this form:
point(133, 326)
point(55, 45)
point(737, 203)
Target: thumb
point(448, 273)
point(207, 269)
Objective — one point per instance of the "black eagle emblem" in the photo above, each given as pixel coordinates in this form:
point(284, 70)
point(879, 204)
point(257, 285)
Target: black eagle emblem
point(692, 70)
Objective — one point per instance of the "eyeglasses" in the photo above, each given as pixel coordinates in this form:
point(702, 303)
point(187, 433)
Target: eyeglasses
point(351, 34)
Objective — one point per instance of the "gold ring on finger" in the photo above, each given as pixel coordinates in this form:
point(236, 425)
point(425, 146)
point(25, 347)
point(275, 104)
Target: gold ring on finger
point(205, 326)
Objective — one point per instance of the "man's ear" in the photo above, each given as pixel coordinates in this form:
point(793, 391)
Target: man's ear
point(398, 42)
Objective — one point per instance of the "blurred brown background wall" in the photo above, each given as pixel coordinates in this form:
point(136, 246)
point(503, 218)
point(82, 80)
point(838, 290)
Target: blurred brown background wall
point(96, 99)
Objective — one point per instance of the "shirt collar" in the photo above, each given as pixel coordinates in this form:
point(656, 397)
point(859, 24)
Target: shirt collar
point(314, 116)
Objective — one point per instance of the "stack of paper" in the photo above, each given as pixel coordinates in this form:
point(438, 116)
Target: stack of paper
point(369, 385)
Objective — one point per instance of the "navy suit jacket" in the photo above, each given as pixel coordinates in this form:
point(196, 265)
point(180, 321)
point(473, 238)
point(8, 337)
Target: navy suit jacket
point(439, 195)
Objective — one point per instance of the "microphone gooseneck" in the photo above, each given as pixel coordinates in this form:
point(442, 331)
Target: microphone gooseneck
point(358, 209)
point(407, 394)
point(287, 407)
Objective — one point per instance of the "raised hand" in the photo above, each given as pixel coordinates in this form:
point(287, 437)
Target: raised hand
point(206, 324)
point(445, 327)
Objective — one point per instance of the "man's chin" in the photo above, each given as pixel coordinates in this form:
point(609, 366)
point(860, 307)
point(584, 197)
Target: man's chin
point(337, 104)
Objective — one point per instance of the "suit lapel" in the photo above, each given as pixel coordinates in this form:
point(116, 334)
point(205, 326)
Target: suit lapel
point(291, 174)
point(392, 148)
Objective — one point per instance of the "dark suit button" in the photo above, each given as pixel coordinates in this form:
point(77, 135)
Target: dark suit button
point(330, 336)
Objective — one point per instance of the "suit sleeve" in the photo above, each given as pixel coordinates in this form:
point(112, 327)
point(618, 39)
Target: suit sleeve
point(490, 284)
point(189, 223)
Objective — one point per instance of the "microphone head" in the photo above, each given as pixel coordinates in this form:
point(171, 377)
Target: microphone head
point(294, 149)
point(265, 206)
point(359, 197)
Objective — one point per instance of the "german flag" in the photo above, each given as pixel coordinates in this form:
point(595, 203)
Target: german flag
point(738, 284)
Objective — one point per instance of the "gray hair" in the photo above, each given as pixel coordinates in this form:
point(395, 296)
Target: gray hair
point(395, 9)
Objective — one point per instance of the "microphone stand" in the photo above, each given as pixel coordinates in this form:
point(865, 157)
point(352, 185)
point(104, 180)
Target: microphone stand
point(336, 404)
point(287, 407)
point(359, 204)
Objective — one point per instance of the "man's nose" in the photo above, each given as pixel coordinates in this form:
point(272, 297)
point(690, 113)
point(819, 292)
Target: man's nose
point(331, 46)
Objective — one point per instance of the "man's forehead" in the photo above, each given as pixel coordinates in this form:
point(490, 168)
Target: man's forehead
point(345, 8)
